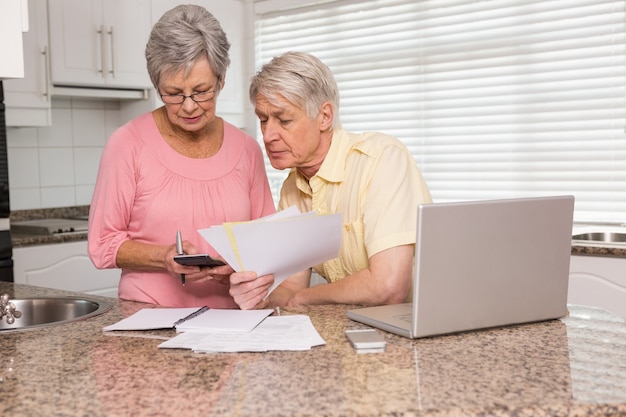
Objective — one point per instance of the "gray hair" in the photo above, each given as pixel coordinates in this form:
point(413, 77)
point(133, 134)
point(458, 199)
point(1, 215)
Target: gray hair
point(182, 35)
point(300, 78)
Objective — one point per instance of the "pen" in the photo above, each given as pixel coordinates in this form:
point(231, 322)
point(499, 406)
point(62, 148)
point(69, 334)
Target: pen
point(179, 249)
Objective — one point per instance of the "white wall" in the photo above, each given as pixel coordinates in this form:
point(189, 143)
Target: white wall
point(56, 166)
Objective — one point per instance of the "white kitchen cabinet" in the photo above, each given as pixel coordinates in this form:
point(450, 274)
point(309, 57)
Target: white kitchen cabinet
point(99, 43)
point(64, 266)
point(13, 21)
point(598, 281)
point(28, 99)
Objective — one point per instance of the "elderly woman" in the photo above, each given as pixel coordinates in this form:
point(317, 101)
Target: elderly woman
point(179, 167)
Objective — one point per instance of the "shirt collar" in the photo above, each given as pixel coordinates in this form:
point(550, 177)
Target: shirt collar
point(333, 167)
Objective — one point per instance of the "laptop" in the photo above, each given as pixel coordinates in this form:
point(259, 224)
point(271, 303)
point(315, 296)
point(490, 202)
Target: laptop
point(482, 264)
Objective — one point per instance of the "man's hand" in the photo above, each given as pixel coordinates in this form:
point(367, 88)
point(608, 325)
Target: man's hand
point(248, 290)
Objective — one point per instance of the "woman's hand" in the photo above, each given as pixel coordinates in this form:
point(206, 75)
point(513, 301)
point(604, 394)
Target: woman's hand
point(220, 274)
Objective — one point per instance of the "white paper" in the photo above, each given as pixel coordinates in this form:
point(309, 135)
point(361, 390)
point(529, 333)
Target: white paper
point(282, 244)
point(219, 320)
point(218, 237)
point(223, 320)
point(294, 332)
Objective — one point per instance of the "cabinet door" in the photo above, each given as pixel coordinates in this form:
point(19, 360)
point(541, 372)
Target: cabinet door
point(76, 41)
point(28, 99)
point(127, 26)
point(64, 266)
point(11, 64)
point(96, 43)
point(598, 281)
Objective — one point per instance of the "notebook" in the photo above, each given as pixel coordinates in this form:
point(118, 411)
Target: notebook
point(193, 319)
point(482, 264)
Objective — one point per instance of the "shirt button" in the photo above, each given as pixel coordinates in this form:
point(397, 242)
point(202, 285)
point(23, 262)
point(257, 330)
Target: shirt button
point(347, 227)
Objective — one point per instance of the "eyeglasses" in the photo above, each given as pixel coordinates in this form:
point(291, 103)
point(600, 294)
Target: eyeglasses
point(200, 97)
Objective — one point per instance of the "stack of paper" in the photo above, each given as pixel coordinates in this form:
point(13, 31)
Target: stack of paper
point(281, 244)
point(216, 330)
point(274, 333)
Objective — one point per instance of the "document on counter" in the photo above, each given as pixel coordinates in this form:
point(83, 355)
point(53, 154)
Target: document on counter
point(294, 332)
point(205, 320)
point(281, 244)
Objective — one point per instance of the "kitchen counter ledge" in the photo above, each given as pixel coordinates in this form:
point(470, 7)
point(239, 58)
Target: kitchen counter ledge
point(589, 249)
point(606, 249)
point(28, 239)
point(574, 366)
point(22, 239)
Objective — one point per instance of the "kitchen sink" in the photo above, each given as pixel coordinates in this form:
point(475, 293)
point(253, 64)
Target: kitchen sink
point(52, 311)
point(601, 237)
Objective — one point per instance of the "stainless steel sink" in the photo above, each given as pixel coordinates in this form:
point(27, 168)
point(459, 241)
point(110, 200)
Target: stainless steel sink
point(601, 237)
point(53, 311)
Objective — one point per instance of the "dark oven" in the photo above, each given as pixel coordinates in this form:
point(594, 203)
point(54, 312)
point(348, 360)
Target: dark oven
point(6, 248)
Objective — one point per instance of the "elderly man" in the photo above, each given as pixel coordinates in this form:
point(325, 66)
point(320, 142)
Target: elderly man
point(370, 178)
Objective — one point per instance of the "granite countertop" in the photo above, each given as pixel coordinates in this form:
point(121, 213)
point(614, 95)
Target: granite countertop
point(21, 239)
point(598, 248)
point(574, 366)
point(27, 239)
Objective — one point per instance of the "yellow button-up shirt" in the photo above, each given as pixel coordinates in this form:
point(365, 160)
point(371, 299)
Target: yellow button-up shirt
point(374, 182)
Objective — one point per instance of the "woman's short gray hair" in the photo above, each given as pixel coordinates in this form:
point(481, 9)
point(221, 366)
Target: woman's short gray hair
point(180, 36)
point(300, 78)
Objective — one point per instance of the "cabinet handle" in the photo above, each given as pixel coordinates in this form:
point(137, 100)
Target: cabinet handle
point(112, 70)
point(102, 40)
point(46, 71)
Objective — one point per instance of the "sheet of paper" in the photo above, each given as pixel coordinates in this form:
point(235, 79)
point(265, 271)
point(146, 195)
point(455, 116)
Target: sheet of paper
point(274, 333)
point(152, 318)
point(211, 320)
point(219, 238)
point(278, 245)
point(223, 320)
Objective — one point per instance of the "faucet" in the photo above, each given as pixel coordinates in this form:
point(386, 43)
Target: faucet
point(7, 308)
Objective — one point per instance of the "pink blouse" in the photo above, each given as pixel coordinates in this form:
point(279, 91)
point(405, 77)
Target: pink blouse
point(145, 191)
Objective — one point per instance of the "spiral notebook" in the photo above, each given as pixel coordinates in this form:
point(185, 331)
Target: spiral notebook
point(193, 319)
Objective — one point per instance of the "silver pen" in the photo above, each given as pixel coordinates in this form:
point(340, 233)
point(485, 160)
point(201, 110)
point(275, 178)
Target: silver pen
point(179, 249)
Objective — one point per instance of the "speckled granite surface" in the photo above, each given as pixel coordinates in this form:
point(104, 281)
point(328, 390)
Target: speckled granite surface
point(607, 249)
point(599, 250)
point(59, 212)
point(575, 366)
point(22, 239)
